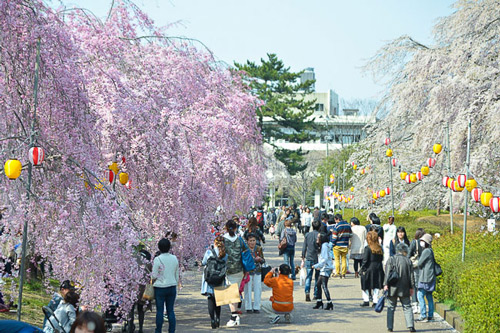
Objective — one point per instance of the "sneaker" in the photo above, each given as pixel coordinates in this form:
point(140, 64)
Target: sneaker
point(422, 320)
point(249, 311)
point(256, 311)
point(365, 304)
point(232, 323)
point(275, 320)
point(430, 319)
point(412, 329)
point(287, 317)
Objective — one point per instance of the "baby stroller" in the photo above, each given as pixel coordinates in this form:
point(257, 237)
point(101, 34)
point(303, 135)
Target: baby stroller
point(111, 318)
point(52, 320)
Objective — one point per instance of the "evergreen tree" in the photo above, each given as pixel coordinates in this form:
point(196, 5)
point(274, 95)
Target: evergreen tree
point(283, 95)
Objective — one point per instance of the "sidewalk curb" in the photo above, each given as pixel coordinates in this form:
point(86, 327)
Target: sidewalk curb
point(450, 316)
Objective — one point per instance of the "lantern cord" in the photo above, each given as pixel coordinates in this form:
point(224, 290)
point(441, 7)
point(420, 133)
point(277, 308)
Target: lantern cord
point(489, 187)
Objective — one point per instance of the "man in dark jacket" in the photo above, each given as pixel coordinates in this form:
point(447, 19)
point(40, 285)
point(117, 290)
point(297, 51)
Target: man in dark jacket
point(310, 258)
point(402, 289)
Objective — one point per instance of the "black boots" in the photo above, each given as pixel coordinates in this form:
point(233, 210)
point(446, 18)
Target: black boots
point(329, 306)
point(308, 298)
point(365, 304)
point(319, 304)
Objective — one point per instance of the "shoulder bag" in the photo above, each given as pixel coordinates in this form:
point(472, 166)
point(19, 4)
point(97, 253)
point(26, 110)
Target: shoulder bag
point(246, 257)
point(393, 277)
point(283, 243)
point(437, 267)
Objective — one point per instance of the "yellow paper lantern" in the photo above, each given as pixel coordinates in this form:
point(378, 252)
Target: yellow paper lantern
point(413, 178)
point(114, 167)
point(374, 195)
point(362, 171)
point(12, 169)
point(470, 184)
point(382, 193)
point(437, 148)
point(123, 178)
point(449, 182)
point(425, 170)
point(403, 175)
point(456, 187)
point(388, 152)
point(352, 189)
point(485, 198)
point(355, 166)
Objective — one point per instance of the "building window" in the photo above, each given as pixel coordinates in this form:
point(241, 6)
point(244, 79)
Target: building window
point(320, 107)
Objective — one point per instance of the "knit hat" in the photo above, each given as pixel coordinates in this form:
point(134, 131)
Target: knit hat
point(427, 238)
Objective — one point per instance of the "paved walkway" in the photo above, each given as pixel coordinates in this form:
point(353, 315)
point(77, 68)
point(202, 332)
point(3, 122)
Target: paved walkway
point(347, 316)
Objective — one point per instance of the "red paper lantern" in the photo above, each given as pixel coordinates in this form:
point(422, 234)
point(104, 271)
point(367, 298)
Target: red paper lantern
point(445, 181)
point(431, 162)
point(394, 162)
point(36, 155)
point(387, 141)
point(109, 175)
point(388, 190)
point(128, 185)
point(408, 179)
point(476, 194)
point(420, 175)
point(495, 204)
point(352, 163)
point(378, 194)
point(461, 180)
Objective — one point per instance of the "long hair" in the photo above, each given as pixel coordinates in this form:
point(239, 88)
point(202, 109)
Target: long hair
point(252, 224)
point(405, 238)
point(372, 240)
point(219, 243)
point(419, 233)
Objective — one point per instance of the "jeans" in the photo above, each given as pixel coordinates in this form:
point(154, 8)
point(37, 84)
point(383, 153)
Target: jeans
point(306, 229)
point(366, 295)
point(421, 294)
point(340, 253)
point(310, 270)
point(288, 255)
point(165, 297)
point(392, 301)
point(254, 284)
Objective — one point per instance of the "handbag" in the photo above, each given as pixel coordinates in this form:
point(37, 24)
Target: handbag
point(414, 258)
point(437, 267)
point(227, 295)
point(381, 303)
point(247, 258)
point(283, 243)
point(264, 270)
point(149, 293)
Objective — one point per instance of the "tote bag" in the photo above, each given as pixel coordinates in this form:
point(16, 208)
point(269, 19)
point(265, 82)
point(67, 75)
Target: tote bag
point(149, 292)
point(227, 295)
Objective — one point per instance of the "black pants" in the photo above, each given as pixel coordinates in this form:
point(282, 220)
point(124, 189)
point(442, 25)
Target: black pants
point(140, 313)
point(213, 310)
point(357, 264)
point(323, 284)
point(306, 229)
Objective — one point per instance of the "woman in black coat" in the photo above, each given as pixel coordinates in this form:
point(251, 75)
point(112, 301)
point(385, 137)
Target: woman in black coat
point(372, 271)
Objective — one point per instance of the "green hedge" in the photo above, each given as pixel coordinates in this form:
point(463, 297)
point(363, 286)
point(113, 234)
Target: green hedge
point(473, 285)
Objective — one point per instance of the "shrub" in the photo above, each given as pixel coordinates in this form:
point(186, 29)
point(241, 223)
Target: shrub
point(472, 284)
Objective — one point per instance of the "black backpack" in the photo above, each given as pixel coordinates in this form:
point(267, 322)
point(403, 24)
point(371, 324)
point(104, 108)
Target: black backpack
point(215, 270)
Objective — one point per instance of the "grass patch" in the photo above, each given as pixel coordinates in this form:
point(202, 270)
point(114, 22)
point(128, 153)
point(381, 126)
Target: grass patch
point(34, 297)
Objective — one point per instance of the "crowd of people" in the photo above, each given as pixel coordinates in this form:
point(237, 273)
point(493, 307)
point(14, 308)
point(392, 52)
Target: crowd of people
point(385, 261)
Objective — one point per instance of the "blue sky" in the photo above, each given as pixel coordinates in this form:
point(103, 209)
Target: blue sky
point(334, 37)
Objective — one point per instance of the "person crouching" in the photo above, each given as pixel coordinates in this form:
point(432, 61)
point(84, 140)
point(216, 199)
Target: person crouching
point(282, 300)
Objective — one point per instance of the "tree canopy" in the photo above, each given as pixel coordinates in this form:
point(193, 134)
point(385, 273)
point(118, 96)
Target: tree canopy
point(284, 114)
